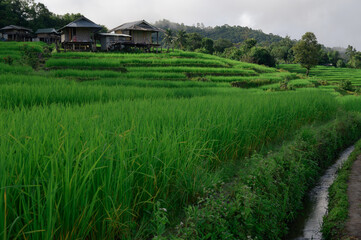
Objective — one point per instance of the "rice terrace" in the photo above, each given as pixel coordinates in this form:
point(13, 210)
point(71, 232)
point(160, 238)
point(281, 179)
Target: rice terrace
point(172, 131)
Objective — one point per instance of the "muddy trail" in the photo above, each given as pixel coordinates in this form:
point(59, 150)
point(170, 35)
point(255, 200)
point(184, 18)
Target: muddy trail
point(353, 225)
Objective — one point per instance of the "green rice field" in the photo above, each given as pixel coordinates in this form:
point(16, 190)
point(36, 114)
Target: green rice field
point(331, 74)
point(91, 142)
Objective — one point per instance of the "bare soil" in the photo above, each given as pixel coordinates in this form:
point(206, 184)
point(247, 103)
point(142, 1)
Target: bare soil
point(353, 225)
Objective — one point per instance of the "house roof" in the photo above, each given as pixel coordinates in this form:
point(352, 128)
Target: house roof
point(141, 25)
point(82, 22)
point(46, 30)
point(114, 35)
point(14, 27)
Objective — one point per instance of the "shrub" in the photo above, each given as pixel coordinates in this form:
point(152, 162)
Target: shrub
point(8, 60)
point(31, 55)
point(346, 85)
point(340, 64)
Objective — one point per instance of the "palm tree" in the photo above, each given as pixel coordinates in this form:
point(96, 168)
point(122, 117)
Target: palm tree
point(168, 38)
point(181, 39)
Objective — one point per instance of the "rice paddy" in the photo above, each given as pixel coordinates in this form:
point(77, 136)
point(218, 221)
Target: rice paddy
point(92, 141)
point(332, 74)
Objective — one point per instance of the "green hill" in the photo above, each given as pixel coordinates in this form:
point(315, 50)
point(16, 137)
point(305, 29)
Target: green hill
point(235, 34)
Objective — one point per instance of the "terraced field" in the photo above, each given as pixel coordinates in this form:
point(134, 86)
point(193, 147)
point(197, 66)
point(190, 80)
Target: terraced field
point(92, 144)
point(331, 74)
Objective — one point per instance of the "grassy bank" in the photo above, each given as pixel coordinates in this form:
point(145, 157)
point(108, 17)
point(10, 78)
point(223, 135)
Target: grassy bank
point(334, 222)
point(269, 190)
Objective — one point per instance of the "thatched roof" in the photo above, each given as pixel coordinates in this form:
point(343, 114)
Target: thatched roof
point(46, 31)
point(82, 22)
point(141, 25)
point(14, 27)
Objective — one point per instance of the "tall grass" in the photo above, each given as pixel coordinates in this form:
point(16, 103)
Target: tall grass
point(24, 95)
point(96, 171)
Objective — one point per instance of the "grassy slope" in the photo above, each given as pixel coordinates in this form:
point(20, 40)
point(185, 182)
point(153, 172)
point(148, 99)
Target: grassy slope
point(91, 158)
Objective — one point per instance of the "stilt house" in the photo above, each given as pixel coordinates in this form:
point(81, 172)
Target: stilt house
point(48, 35)
point(141, 33)
point(16, 33)
point(79, 35)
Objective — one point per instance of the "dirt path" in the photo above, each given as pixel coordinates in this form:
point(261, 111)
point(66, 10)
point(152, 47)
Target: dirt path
point(353, 225)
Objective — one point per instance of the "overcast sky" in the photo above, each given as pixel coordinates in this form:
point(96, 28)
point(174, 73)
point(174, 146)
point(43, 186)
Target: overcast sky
point(335, 22)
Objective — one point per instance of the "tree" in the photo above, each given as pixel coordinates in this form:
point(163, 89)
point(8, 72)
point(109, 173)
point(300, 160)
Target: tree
point(168, 38)
point(282, 50)
point(221, 44)
point(249, 43)
point(307, 51)
point(194, 41)
point(262, 56)
point(232, 53)
point(350, 52)
point(181, 39)
point(355, 61)
point(333, 57)
point(207, 44)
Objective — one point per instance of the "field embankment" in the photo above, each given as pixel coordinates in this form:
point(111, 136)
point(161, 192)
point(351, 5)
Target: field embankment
point(269, 190)
point(337, 222)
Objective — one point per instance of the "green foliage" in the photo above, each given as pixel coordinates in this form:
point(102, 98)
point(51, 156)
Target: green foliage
point(340, 63)
point(346, 85)
point(194, 41)
point(181, 39)
point(168, 38)
point(233, 53)
point(334, 57)
point(307, 51)
point(249, 44)
point(221, 44)
point(262, 56)
point(32, 15)
point(8, 60)
point(270, 189)
point(283, 51)
point(159, 221)
point(31, 55)
point(207, 44)
point(355, 61)
point(235, 34)
point(333, 226)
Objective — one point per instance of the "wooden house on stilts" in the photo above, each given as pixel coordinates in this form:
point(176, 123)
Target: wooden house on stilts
point(79, 35)
point(47, 35)
point(16, 33)
point(141, 33)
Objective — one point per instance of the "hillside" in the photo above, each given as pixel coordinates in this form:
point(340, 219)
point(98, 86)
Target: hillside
point(235, 34)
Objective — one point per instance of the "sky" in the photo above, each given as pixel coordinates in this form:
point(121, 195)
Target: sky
point(336, 23)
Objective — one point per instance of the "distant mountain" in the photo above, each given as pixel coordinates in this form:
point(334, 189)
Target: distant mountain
point(235, 34)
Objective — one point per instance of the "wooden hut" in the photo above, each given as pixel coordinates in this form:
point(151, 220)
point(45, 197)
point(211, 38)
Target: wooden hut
point(113, 41)
point(141, 33)
point(79, 35)
point(16, 33)
point(48, 35)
